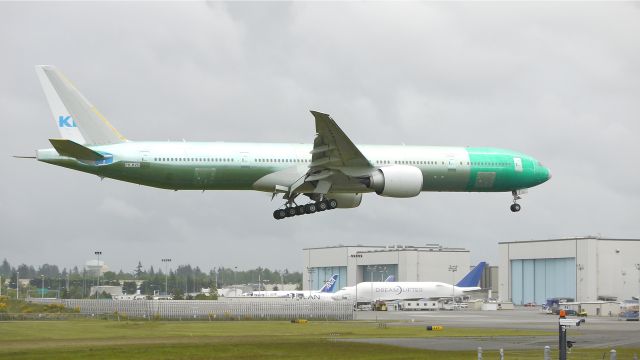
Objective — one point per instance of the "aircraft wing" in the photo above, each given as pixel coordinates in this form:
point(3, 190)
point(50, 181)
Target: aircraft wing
point(335, 162)
point(332, 148)
point(335, 159)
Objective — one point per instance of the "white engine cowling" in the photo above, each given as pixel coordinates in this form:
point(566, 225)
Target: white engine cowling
point(346, 200)
point(401, 181)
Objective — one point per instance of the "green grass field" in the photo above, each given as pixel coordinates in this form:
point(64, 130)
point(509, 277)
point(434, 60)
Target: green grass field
point(232, 340)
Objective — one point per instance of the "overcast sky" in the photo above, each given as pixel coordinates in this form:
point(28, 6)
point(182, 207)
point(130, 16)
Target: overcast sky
point(558, 81)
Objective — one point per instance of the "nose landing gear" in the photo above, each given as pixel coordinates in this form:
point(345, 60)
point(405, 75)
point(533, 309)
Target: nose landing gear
point(515, 207)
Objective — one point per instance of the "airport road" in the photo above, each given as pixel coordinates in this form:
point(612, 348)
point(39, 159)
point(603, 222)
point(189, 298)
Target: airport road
point(597, 332)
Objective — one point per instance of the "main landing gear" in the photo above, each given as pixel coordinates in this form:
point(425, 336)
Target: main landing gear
point(515, 207)
point(291, 210)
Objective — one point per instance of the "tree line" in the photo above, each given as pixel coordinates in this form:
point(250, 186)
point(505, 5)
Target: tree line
point(76, 282)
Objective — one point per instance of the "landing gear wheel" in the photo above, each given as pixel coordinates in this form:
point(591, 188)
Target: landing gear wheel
point(515, 207)
point(310, 208)
point(279, 214)
point(300, 210)
point(291, 211)
point(322, 205)
point(333, 203)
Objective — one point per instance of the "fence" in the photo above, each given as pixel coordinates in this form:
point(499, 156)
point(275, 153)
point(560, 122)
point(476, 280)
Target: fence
point(227, 309)
point(613, 354)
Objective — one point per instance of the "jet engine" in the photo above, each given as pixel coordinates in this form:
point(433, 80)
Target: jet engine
point(346, 200)
point(399, 181)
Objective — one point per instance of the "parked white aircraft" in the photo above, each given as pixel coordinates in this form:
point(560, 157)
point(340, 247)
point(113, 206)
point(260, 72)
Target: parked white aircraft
point(386, 291)
point(325, 292)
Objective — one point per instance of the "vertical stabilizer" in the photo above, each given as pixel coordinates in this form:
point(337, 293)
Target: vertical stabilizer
point(330, 284)
point(472, 279)
point(76, 118)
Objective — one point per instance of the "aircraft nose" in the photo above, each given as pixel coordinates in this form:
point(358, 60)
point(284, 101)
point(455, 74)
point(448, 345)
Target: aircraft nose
point(548, 174)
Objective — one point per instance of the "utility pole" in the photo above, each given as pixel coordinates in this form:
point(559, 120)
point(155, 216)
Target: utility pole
point(98, 253)
point(17, 285)
point(166, 275)
point(453, 269)
point(42, 290)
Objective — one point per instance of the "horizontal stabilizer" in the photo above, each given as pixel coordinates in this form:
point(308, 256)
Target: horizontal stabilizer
point(69, 148)
point(472, 279)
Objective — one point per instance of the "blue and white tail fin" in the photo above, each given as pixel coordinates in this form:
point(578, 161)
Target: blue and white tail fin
point(472, 279)
point(76, 118)
point(330, 284)
point(390, 278)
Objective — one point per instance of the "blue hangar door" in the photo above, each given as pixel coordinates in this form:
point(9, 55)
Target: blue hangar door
point(536, 280)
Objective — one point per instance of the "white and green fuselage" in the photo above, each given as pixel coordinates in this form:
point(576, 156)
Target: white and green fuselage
point(332, 171)
point(238, 166)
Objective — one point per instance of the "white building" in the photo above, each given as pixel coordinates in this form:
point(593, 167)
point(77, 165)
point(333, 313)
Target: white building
point(355, 264)
point(95, 266)
point(585, 269)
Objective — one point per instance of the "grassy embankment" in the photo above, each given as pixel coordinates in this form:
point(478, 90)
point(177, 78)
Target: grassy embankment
point(232, 340)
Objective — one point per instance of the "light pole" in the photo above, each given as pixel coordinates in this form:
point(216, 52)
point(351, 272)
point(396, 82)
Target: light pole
point(310, 271)
point(235, 279)
point(638, 268)
point(42, 290)
point(17, 285)
point(166, 275)
point(98, 253)
point(453, 269)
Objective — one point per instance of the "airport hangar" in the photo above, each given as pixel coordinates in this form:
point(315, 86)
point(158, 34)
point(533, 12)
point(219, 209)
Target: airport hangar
point(586, 269)
point(355, 264)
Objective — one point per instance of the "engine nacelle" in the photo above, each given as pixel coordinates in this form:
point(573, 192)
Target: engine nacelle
point(401, 181)
point(346, 200)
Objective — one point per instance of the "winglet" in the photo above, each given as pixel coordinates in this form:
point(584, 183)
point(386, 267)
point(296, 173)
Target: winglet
point(472, 279)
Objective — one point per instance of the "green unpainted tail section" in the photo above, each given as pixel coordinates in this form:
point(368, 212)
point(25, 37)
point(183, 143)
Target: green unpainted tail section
point(66, 147)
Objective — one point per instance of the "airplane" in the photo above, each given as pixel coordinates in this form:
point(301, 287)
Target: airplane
point(385, 291)
point(327, 289)
point(332, 172)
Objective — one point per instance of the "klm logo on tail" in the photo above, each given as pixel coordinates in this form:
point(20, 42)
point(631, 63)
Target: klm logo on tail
point(66, 121)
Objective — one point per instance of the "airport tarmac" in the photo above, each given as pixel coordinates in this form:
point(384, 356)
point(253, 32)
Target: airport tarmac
point(596, 332)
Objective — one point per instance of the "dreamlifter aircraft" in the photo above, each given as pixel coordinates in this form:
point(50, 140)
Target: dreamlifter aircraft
point(388, 291)
point(333, 172)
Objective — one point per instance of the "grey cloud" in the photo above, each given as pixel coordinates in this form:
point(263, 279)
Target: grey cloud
point(559, 81)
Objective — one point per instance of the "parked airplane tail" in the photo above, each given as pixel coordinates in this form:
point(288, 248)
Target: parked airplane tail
point(76, 118)
point(390, 278)
point(330, 284)
point(472, 279)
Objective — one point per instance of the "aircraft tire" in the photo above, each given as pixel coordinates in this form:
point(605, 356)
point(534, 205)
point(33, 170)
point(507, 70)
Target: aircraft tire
point(279, 214)
point(310, 208)
point(333, 203)
point(515, 207)
point(322, 205)
point(291, 211)
point(300, 210)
